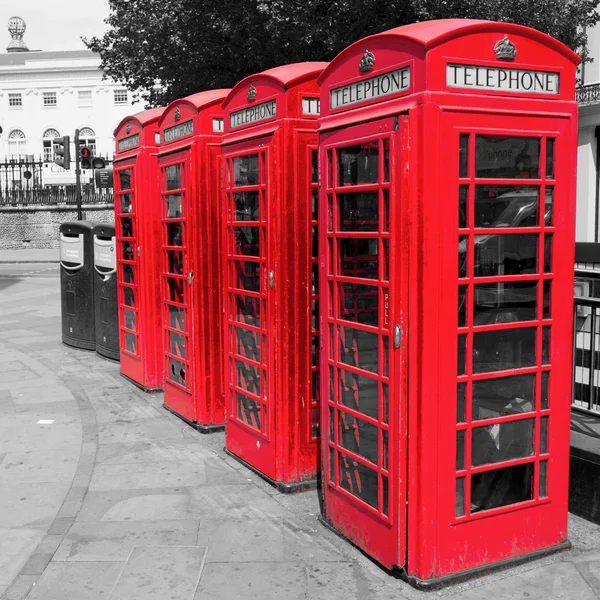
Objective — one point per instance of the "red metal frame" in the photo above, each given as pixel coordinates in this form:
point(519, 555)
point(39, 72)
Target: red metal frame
point(268, 186)
point(190, 265)
point(136, 227)
point(484, 478)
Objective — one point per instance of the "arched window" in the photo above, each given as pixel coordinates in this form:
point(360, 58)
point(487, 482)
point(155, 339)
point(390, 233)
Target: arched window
point(87, 137)
point(48, 136)
point(17, 144)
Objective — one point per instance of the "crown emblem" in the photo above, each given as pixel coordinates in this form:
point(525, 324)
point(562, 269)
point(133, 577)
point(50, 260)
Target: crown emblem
point(366, 62)
point(505, 49)
point(177, 115)
point(128, 128)
point(251, 93)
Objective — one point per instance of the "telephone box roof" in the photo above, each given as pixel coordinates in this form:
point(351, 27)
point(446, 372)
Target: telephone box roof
point(144, 118)
point(433, 33)
point(284, 76)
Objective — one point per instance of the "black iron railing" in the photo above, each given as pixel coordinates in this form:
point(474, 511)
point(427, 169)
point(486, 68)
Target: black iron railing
point(586, 355)
point(588, 94)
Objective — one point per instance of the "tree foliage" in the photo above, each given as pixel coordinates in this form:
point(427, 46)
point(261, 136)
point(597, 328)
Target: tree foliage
point(166, 49)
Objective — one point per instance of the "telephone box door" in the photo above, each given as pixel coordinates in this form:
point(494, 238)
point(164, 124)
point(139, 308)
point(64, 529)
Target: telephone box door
point(248, 311)
point(363, 281)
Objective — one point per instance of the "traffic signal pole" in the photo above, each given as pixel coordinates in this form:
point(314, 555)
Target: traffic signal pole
point(78, 177)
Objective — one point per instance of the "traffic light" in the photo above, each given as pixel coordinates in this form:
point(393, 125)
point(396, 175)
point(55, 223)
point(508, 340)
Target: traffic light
point(88, 161)
point(62, 152)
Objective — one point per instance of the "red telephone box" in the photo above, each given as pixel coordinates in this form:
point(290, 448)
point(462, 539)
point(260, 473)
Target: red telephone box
point(137, 227)
point(447, 207)
point(190, 238)
point(269, 199)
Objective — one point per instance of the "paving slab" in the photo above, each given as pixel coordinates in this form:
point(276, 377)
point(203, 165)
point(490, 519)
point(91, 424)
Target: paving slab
point(142, 430)
point(153, 507)
point(16, 546)
point(30, 505)
point(40, 467)
point(110, 541)
point(152, 451)
point(159, 572)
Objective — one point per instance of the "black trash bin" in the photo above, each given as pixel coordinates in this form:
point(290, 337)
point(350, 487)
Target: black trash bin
point(77, 284)
point(105, 291)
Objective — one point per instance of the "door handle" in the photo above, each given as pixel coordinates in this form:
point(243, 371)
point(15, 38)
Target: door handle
point(397, 336)
point(190, 277)
point(271, 279)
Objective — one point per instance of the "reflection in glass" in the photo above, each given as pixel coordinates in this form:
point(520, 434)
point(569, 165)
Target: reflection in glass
point(386, 159)
point(460, 450)
point(130, 342)
point(177, 317)
point(177, 344)
point(503, 349)
point(548, 253)
point(359, 303)
point(246, 275)
point(247, 309)
point(501, 487)
point(359, 480)
point(504, 302)
point(543, 478)
point(129, 319)
point(460, 496)
point(385, 492)
point(173, 206)
point(245, 169)
point(359, 212)
point(462, 345)
point(173, 175)
point(125, 203)
point(462, 305)
point(506, 206)
point(315, 204)
point(510, 254)
point(315, 241)
point(247, 343)
point(175, 289)
point(176, 371)
point(544, 435)
point(547, 299)
point(545, 345)
point(314, 166)
point(463, 254)
point(175, 234)
point(248, 410)
point(503, 396)
point(359, 164)
point(545, 396)
point(175, 262)
point(507, 157)
point(359, 257)
point(128, 253)
point(125, 180)
point(246, 206)
point(247, 241)
point(129, 296)
point(463, 192)
point(501, 442)
point(359, 348)
point(463, 154)
point(461, 390)
point(331, 465)
point(127, 227)
point(248, 377)
point(128, 273)
point(549, 207)
point(359, 393)
point(550, 158)
point(358, 436)
point(386, 210)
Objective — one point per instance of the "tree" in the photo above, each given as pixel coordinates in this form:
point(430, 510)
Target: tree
point(166, 49)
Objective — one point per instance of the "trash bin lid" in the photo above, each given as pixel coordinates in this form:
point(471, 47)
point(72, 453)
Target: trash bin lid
point(77, 227)
point(104, 230)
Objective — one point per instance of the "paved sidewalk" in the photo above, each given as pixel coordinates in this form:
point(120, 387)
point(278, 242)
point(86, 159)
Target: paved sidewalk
point(117, 499)
point(29, 255)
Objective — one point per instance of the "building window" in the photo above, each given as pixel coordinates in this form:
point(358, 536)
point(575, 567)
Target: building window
point(17, 144)
point(48, 136)
point(15, 100)
point(49, 98)
point(120, 96)
point(85, 97)
point(87, 137)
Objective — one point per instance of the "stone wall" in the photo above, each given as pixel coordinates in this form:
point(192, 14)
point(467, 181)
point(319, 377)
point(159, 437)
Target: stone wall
point(37, 226)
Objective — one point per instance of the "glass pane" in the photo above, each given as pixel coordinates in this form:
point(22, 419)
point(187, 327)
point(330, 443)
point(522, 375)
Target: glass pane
point(543, 435)
point(463, 254)
point(359, 393)
point(127, 227)
point(248, 377)
point(247, 240)
point(503, 396)
point(359, 303)
point(125, 179)
point(315, 204)
point(545, 396)
point(550, 158)
point(173, 206)
point(359, 480)
point(125, 203)
point(247, 309)
point(314, 166)
point(128, 253)
point(247, 343)
point(315, 241)
point(386, 159)
point(543, 478)
point(501, 442)
point(177, 371)
point(549, 207)
point(385, 402)
point(462, 305)
point(385, 493)
point(462, 345)
point(177, 317)
point(501, 487)
point(246, 206)
point(460, 497)
point(130, 342)
point(177, 344)
point(464, 156)
point(511, 254)
point(245, 169)
point(175, 262)
point(507, 157)
point(175, 290)
point(545, 345)
point(329, 169)
point(359, 212)
point(174, 234)
point(460, 450)
point(504, 302)
point(359, 348)
point(506, 206)
point(246, 275)
point(248, 410)
point(503, 349)
point(548, 253)
point(128, 273)
point(547, 299)
point(331, 465)
point(386, 259)
point(359, 164)
point(386, 210)
point(173, 175)
point(129, 319)
point(358, 436)
point(359, 257)
point(463, 192)
point(461, 390)
point(129, 296)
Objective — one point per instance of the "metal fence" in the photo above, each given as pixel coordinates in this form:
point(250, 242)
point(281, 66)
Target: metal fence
point(25, 181)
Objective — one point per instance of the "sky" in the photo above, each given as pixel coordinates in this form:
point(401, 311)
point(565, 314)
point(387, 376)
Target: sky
point(54, 24)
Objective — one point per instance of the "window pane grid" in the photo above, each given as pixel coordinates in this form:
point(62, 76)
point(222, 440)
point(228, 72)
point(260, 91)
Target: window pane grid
point(314, 420)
